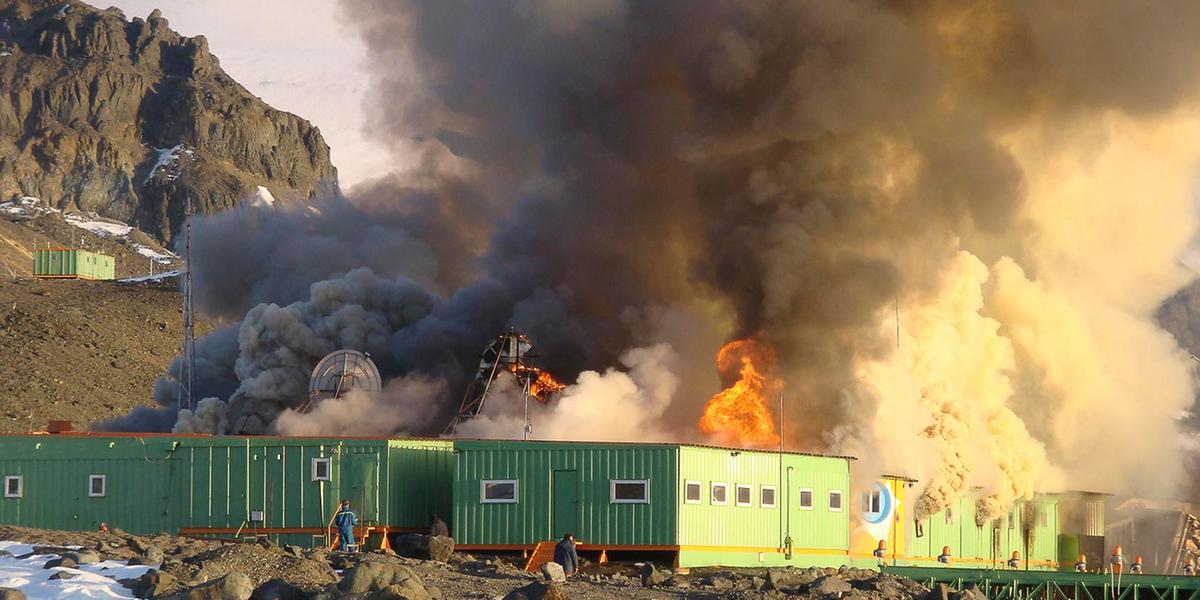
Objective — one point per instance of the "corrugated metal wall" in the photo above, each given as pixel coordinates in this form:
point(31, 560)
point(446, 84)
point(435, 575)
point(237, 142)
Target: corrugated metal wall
point(140, 479)
point(589, 467)
point(65, 262)
point(994, 542)
point(420, 478)
point(159, 483)
point(709, 524)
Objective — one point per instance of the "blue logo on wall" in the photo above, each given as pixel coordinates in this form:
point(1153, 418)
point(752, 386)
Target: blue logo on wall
point(886, 502)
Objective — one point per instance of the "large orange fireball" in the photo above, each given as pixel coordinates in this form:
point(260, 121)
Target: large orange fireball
point(740, 413)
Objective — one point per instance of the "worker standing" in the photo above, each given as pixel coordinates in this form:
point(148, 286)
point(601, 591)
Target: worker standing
point(1117, 561)
point(1136, 567)
point(1190, 567)
point(437, 527)
point(565, 555)
point(944, 557)
point(1081, 565)
point(1015, 561)
point(345, 522)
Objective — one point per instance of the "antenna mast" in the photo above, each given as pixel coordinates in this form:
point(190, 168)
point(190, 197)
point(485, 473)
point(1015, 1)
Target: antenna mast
point(187, 375)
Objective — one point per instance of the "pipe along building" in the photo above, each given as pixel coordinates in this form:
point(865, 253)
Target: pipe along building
point(692, 505)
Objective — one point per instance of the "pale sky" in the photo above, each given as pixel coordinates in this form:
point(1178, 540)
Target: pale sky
point(297, 55)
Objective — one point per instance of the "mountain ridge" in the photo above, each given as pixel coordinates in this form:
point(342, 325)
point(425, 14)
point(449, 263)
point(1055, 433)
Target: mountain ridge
point(129, 119)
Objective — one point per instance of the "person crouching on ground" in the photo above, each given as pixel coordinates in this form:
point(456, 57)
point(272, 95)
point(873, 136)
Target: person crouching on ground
point(437, 526)
point(345, 522)
point(564, 554)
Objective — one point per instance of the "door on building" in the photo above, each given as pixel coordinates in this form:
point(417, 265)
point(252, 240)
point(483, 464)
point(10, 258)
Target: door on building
point(565, 501)
point(360, 485)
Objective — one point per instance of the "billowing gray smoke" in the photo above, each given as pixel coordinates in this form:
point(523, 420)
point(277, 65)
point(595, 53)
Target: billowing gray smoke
point(840, 178)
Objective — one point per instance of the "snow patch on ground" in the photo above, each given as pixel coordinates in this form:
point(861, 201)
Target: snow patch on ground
point(24, 572)
point(262, 197)
point(158, 257)
point(103, 228)
point(154, 277)
point(166, 159)
point(26, 206)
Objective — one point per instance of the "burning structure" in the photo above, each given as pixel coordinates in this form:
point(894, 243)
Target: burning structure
point(933, 218)
point(507, 355)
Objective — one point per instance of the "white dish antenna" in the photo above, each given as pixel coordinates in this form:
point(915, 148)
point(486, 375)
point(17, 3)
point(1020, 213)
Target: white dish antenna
point(338, 373)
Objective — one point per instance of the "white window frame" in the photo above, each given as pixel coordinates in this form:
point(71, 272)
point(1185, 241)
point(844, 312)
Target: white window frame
point(737, 497)
point(20, 479)
point(103, 479)
point(774, 496)
point(841, 500)
point(328, 462)
point(812, 498)
point(612, 491)
point(699, 486)
point(870, 499)
point(713, 497)
point(483, 499)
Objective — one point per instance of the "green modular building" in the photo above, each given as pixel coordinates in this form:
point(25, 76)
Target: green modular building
point(705, 505)
point(285, 488)
point(1030, 528)
point(72, 263)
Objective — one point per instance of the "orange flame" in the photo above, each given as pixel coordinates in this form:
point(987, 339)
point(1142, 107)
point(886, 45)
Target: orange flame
point(545, 385)
point(740, 413)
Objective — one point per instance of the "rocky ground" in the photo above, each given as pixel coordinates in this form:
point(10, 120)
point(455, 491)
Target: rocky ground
point(82, 351)
point(189, 569)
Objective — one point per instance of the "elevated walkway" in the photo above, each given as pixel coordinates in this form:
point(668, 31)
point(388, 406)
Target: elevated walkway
point(1055, 585)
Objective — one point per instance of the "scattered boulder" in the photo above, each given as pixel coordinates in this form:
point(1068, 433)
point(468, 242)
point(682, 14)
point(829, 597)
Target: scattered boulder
point(652, 577)
point(152, 584)
point(538, 590)
point(11, 594)
point(278, 589)
point(266, 543)
point(829, 585)
point(64, 575)
point(234, 586)
point(676, 581)
point(62, 561)
point(151, 556)
point(969, 593)
point(293, 551)
point(553, 571)
point(375, 575)
point(425, 547)
point(716, 581)
point(83, 557)
point(117, 531)
point(409, 589)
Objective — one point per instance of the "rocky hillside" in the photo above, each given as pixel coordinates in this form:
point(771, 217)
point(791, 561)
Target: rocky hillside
point(127, 119)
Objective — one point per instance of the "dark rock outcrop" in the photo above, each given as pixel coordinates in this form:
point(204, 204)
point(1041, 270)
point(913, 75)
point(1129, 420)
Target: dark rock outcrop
point(127, 119)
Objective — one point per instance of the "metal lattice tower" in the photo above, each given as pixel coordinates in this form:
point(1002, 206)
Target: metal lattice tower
point(187, 374)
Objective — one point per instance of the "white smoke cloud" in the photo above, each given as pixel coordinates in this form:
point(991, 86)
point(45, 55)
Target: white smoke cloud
point(616, 405)
point(403, 406)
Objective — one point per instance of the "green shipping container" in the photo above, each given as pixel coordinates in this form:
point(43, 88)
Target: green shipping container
point(72, 263)
point(706, 505)
point(285, 488)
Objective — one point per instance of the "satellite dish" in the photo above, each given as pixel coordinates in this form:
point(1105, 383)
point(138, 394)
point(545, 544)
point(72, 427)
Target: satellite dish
point(338, 373)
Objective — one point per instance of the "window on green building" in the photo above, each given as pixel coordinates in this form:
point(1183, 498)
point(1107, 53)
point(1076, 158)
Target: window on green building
point(719, 494)
point(691, 492)
point(629, 491)
point(498, 491)
point(97, 485)
point(745, 495)
point(766, 496)
point(835, 500)
point(14, 486)
point(806, 499)
point(322, 469)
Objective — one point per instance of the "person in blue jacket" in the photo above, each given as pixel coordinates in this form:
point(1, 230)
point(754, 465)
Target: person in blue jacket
point(345, 522)
point(565, 555)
